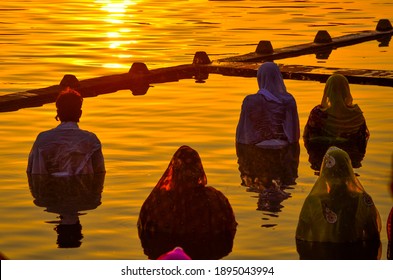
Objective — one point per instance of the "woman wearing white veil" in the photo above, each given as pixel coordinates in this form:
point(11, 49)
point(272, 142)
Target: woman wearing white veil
point(269, 118)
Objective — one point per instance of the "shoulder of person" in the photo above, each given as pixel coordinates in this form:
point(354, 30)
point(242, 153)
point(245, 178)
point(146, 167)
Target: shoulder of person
point(87, 132)
point(318, 110)
point(291, 98)
point(356, 107)
point(251, 98)
point(46, 133)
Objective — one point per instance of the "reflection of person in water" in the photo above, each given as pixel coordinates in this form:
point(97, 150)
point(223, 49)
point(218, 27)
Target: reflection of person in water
point(67, 196)
point(338, 210)
point(69, 235)
point(66, 149)
point(269, 172)
point(181, 211)
point(336, 122)
point(317, 150)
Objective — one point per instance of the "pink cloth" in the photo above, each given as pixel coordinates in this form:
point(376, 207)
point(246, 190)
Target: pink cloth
point(175, 254)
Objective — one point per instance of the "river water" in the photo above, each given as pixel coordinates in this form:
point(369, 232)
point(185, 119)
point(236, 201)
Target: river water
point(43, 40)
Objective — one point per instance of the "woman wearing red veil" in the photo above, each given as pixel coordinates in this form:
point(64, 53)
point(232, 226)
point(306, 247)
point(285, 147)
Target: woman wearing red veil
point(181, 211)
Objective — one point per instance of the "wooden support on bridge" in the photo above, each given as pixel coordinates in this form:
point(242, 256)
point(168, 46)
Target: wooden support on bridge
point(139, 77)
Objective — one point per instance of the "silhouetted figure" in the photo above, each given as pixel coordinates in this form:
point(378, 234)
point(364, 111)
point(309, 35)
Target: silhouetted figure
point(67, 196)
point(269, 118)
point(336, 122)
point(181, 211)
point(338, 210)
point(66, 150)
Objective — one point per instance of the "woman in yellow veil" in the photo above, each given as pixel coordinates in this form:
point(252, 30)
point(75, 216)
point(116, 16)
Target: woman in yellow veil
point(336, 119)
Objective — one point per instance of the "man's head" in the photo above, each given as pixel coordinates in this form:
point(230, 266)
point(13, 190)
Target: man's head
point(69, 106)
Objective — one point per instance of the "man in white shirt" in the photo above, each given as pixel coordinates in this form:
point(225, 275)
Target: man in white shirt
point(67, 150)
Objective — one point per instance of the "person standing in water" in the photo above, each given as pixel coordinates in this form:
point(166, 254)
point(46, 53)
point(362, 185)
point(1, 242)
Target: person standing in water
point(338, 209)
point(269, 118)
point(66, 150)
point(336, 118)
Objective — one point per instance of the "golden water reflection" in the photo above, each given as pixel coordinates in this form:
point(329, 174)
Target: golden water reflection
point(117, 14)
point(139, 133)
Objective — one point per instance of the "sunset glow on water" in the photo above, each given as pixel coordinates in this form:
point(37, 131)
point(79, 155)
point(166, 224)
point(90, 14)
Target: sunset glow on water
point(43, 41)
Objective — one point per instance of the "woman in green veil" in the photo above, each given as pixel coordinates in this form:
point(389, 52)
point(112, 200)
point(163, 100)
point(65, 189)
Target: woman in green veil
point(338, 209)
point(336, 119)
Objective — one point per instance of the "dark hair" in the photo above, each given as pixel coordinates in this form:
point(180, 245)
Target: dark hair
point(69, 105)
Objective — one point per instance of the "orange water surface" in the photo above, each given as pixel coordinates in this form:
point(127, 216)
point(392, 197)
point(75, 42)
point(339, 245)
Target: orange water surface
point(43, 40)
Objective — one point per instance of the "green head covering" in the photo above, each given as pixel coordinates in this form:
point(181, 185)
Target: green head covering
point(337, 208)
point(343, 116)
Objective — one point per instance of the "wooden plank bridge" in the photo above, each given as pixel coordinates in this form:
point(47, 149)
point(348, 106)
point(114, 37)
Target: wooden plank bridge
point(139, 77)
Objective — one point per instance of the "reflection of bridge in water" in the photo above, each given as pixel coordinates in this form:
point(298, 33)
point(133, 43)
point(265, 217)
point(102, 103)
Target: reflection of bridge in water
point(139, 78)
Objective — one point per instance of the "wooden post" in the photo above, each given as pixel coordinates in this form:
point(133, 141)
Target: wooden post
point(384, 25)
point(138, 68)
point(264, 47)
point(201, 75)
point(201, 58)
point(69, 81)
point(139, 82)
point(322, 37)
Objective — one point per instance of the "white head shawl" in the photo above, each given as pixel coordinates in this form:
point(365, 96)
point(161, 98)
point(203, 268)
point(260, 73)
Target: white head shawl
point(272, 87)
point(271, 83)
